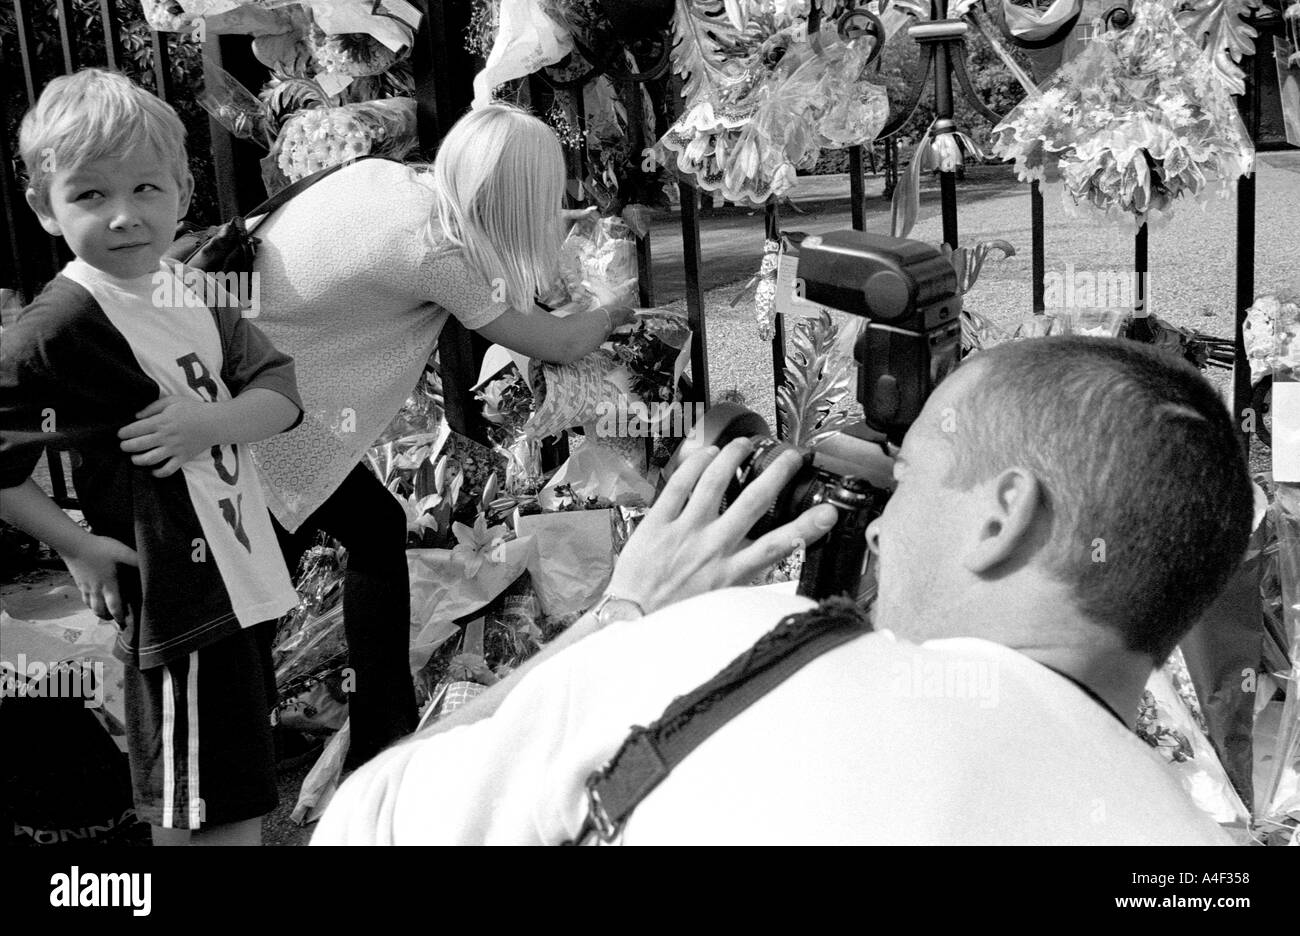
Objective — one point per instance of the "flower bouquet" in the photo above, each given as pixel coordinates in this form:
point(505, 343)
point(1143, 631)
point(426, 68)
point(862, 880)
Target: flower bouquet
point(638, 366)
point(598, 264)
point(1271, 334)
point(354, 54)
point(1136, 120)
point(310, 647)
point(314, 139)
point(763, 98)
point(244, 17)
point(508, 405)
point(635, 373)
point(443, 590)
point(1170, 720)
point(582, 517)
point(357, 35)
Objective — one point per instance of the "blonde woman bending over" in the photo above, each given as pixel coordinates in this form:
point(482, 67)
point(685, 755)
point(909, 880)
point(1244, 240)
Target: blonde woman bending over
point(357, 276)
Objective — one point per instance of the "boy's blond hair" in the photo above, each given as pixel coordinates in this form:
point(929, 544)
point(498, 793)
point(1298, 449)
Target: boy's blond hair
point(92, 115)
point(498, 183)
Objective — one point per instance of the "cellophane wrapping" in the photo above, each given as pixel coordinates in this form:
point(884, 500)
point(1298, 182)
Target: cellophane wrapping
point(1281, 791)
point(773, 103)
point(598, 264)
point(1138, 119)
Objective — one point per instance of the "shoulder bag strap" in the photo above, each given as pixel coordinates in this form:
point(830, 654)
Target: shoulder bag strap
point(649, 754)
point(289, 192)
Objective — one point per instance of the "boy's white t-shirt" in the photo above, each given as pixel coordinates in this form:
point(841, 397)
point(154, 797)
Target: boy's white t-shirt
point(176, 343)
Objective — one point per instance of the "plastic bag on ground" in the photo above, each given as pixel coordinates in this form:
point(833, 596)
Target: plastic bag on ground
point(442, 594)
point(577, 560)
point(323, 779)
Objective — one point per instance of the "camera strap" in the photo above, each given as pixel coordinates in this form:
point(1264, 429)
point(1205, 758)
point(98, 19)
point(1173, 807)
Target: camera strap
point(650, 754)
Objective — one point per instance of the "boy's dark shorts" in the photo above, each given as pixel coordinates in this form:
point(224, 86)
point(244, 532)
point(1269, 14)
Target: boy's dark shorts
point(199, 734)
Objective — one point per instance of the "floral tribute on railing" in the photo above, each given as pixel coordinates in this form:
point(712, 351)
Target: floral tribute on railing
point(1139, 118)
point(581, 47)
point(763, 98)
point(340, 86)
point(621, 393)
point(1271, 334)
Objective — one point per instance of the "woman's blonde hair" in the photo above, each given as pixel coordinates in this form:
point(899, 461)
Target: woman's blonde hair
point(498, 183)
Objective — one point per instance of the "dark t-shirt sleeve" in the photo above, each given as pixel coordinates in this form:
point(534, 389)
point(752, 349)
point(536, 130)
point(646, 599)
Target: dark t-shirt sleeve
point(250, 360)
point(23, 384)
point(68, 380)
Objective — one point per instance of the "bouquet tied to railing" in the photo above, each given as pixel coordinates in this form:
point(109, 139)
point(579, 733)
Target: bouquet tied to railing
point(1138, 119)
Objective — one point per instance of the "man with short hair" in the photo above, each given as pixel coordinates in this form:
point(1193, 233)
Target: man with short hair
point(1064, 509)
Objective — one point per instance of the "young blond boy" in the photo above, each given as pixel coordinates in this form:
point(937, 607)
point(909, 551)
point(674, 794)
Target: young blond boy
point(158, 395)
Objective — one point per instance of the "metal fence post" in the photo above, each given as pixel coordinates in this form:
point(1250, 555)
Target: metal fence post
point(443, 70)
point(1249, 105)
point(236, 163)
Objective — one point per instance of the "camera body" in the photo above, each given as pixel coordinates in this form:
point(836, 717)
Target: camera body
point(908, 293)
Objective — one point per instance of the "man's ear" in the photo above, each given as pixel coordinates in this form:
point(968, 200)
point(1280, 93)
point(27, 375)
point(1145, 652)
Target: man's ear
point(42, 209)
point(1008, 512)
point(186, 192)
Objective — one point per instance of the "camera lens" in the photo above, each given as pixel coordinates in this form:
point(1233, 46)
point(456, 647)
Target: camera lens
point(724, 422)
point(800, 493)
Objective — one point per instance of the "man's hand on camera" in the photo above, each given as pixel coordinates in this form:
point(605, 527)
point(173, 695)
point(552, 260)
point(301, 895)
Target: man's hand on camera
point(684, 548)
point(681, 549)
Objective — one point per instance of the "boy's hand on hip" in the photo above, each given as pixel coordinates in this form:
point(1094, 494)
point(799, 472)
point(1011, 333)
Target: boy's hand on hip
point(94, 569)
point(168, 433)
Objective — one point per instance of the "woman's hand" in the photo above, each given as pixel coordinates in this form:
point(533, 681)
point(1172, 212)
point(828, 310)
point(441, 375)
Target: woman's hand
point(619, 315)
point(684, 548)
point(623, 293)
point(571, 216)
point(681, 549)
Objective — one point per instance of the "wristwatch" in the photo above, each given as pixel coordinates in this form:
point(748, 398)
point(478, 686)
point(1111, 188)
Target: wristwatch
point(611, 608)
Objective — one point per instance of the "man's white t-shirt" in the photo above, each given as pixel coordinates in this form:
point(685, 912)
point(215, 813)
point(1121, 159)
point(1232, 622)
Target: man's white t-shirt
point(878, 741)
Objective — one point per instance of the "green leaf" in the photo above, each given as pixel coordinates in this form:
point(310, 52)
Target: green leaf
point(816, 382)
point(1222, 25)
point(284, 95)
point(977, 255)
point(702, 35)
point(906, 204)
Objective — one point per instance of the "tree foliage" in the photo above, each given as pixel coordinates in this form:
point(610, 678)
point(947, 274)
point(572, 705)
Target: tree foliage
point(137, 62)
point(997, 88)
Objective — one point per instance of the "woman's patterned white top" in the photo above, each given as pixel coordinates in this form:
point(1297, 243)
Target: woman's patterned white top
point(352, 287)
